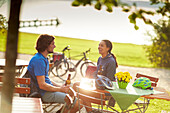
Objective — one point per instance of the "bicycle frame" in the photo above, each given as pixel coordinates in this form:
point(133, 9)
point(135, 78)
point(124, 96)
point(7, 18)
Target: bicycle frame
point(78, 62)
point(63, 64)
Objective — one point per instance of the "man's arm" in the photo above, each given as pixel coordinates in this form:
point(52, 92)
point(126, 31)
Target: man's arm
point(43, 85)
point(55, 84)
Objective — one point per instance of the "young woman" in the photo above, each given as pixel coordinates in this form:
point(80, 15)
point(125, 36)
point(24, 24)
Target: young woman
point(107, 64)
point(107, 60)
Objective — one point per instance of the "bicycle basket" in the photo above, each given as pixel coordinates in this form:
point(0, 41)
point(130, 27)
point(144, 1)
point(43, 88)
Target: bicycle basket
point(57, 56)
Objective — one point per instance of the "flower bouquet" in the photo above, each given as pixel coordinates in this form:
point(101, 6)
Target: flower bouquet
point(123, 78)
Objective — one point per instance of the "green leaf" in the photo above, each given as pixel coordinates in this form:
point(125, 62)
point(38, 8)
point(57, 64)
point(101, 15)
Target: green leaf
point(75, 3)
point(164, 36)
point(149, 12)
point(98, 6)
point(134, 4)
point(148, 21)
point(125, 10)
point(154, 2)
point(109, 9)
point(132, 18)
point(136, 27)
point(115, 2)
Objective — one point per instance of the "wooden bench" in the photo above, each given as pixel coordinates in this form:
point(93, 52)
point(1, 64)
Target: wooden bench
point(21, 90)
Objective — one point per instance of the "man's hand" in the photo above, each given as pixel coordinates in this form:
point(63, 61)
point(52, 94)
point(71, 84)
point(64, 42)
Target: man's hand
point(64, 88)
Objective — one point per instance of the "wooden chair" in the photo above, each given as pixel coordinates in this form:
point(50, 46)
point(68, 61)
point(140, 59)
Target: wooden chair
point(143, 105)
point(154, 80)
point(95, 98)
point(90, 71)
point(69, 100)
point(21, 90)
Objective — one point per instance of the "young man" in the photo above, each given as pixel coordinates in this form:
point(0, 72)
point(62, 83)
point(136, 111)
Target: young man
point(38, 68)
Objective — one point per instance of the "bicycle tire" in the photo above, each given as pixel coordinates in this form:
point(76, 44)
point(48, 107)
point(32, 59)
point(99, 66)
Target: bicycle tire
point(72, 69)
point(60, 68)
point(84, 67)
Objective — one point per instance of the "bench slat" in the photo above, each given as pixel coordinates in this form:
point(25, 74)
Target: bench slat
point(22, 90)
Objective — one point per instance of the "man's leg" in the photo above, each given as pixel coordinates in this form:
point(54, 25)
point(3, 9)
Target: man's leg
point(57, 97)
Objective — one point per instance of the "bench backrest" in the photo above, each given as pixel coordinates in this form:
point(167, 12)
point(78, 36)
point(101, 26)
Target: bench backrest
point(18, 88)
point(18, 70)
point(154, 80)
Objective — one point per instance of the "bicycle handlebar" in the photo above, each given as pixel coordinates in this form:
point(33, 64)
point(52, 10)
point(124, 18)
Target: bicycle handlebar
point(66, 48)
point(88, 50)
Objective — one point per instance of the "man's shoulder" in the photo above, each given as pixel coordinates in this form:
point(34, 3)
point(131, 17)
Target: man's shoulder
point(37, 58)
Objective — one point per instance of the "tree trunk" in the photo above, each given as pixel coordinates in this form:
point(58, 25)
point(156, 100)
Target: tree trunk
point(10, 56)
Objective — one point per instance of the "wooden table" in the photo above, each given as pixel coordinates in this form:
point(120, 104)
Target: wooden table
point(26, 105)
point(162, 95)
point(20, 65)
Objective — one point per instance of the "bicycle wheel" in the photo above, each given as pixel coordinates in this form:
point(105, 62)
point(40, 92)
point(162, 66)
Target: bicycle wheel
point(60, 68)
point(72, 70)
point(84, 67)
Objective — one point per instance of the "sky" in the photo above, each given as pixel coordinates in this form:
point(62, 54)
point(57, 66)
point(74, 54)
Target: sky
point(84, 22)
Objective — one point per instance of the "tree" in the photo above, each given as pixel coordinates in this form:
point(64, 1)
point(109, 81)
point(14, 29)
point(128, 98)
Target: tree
point(10, 56)
point(159, 51)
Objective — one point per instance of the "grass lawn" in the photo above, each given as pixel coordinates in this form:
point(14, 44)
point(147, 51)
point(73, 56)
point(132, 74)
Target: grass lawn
point(127, 54)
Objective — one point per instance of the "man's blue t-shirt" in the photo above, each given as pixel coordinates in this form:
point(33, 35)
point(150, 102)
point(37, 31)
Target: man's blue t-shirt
point(39, 66)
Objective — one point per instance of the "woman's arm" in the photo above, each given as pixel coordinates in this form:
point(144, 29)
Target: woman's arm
point(111, 70)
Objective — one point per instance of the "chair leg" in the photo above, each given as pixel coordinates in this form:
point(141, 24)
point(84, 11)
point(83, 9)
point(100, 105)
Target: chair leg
point(63, 108)
point(145, 105)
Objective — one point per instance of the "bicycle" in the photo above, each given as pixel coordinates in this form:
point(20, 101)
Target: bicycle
point(62, 64)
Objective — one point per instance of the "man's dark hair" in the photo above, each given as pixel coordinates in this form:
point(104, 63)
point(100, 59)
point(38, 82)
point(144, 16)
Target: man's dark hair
point(43, 42)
